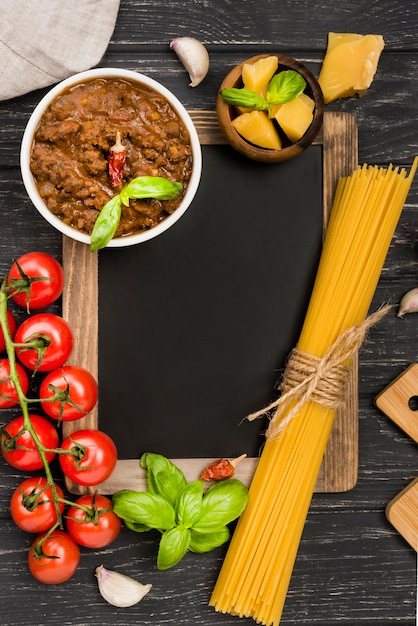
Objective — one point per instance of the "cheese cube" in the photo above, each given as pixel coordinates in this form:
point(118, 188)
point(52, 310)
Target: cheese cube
point(296, 116)
point(307, 100)
point(257, 128)
point(256, 76)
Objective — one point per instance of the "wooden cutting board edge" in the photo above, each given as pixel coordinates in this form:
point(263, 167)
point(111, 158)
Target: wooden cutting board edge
point(402, 510)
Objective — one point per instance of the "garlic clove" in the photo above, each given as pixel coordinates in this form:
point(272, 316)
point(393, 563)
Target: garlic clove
point(408, 303)
point(118, 589)
point(194, 56)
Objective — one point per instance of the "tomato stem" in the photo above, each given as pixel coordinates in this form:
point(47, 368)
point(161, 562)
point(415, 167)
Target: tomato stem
point(38, 549)
point(92, 512)
point(22, 284)
point(63, 397)
point(23, 401)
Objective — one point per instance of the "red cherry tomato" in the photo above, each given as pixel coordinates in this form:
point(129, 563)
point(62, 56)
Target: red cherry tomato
point(18, 447)
point(94, 460)
point(38, 282)
point(32, 507)
point(52, 341)
point(79, 393)
point(8, 393)
point(55, 559)
point(11, 322)
point(97, 527)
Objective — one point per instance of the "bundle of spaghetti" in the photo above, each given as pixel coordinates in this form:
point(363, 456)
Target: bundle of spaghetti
point(258, 566)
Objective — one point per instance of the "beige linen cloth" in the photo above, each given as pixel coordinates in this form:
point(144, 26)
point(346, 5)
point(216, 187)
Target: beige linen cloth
point(44, 41)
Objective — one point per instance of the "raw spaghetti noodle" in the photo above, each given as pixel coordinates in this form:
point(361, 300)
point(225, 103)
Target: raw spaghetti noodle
point(255, 575)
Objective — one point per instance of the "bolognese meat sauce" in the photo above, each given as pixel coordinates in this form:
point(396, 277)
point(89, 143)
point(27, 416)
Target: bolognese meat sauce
point(70, 152)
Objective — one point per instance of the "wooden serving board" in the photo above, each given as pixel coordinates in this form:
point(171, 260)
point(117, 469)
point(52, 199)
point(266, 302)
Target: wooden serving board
point(395, 402)
point(339, 470)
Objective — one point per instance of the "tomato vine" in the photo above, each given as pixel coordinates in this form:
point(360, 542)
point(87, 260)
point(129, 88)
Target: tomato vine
point(40, 501)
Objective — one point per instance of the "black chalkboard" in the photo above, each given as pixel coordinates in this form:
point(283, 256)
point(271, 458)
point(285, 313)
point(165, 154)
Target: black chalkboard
point(196, 324)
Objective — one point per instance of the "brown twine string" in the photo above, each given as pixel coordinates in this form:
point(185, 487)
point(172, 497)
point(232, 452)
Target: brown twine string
point(320, 380)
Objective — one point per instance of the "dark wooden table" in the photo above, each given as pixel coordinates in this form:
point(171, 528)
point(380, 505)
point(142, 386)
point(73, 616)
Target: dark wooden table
point(352, 567)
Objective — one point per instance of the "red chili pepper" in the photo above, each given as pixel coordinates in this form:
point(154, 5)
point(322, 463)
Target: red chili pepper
point(221, 469)
point(116, 161)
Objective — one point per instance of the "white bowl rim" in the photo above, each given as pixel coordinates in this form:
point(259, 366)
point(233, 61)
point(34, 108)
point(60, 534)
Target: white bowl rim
point(134, 76)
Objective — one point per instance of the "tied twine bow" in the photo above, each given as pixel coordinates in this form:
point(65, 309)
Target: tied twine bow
point(320, 380)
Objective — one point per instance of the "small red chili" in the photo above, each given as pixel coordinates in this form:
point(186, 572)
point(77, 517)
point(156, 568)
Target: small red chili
point(221, 469)
point(116, 161)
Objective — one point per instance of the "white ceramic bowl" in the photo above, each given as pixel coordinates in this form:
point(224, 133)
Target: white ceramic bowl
point(135, 77)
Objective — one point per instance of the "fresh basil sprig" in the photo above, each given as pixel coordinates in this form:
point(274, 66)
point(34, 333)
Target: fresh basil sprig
point(150, 509)
point(283, 87)
point(107, 222)
point(244, 98)
point(187, 517)
point(163, 476)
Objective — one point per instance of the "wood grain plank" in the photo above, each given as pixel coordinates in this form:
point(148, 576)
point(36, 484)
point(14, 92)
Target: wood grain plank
point(340, 466)
point(142, 26)
point(80, 302)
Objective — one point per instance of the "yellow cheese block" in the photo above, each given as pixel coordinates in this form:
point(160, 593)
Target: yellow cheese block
point(257, 128)
point(349, 65)
point(307, 100)
point(256, 76)
point(295, 117)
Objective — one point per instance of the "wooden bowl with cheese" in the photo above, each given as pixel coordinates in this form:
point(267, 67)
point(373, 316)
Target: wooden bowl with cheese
point(270, 108)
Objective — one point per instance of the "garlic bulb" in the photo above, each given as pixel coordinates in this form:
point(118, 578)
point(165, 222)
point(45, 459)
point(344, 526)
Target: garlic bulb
point(118, 589)
point(409, 303)
point(194, 56)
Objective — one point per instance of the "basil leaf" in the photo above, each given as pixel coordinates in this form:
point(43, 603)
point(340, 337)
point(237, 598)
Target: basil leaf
point(143, 507)
point(164, 478)
point(205, 542)
point(244, 98)
point(222, 503)
point(141, 187)
point(173, 546)
point(189, 503)
point(106, 223)
point(150, 187)
point(136, 526)
point(285, 86)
